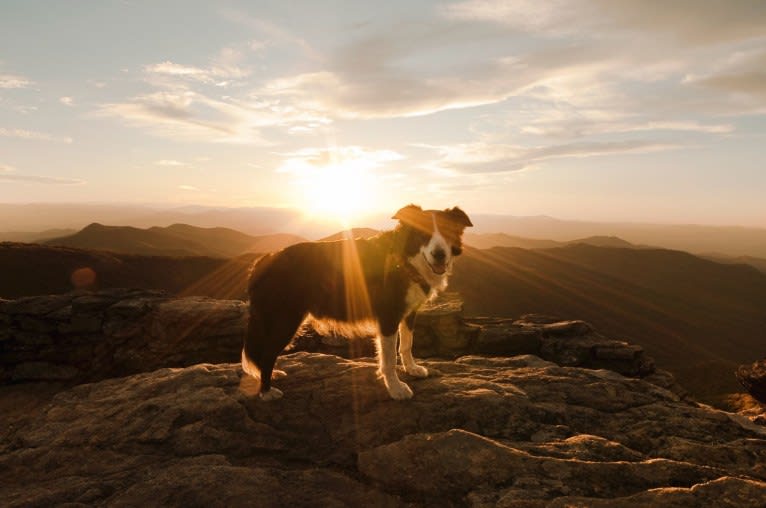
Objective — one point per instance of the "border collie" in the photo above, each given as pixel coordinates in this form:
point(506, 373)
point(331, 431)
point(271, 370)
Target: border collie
point(380, 281)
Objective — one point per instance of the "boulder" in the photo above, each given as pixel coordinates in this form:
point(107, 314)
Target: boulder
point(480, 431)
point(87, 336)
point(753, 378)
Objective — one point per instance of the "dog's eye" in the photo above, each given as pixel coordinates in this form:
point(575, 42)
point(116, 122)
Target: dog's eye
point(456, 251)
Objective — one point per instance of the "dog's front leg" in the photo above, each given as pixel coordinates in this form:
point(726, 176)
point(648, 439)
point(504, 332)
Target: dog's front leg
point(405, 348)
point(387, 368)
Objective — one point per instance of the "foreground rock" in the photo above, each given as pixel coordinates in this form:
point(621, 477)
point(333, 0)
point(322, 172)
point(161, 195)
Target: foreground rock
point(480, 432)
point(753, 378)
point(78, 337)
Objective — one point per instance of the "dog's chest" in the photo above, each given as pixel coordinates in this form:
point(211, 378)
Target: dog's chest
point(415, 297)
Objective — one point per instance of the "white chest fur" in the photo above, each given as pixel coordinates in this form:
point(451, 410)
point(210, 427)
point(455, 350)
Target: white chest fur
point(415, 297)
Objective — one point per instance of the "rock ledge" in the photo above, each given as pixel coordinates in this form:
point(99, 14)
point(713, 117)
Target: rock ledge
point(482, 431)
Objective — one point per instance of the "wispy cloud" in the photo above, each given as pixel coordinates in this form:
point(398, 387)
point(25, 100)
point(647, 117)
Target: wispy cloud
point(272, 33)
point(185, 115)
point(742, 74)
point(194, 115)
point(217, 74)
point(66, 101)
point(170, 162)
point(13, 81)
point(354, 157)
point(692, 21)
point(390, 94)
point(33, 135)
point(572, 123)
point(188, 188)
point(481, 157)
point(9, 174)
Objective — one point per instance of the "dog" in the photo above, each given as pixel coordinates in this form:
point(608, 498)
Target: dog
point(382, 280)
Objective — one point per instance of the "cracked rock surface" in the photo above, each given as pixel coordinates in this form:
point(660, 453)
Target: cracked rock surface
point(481, 431)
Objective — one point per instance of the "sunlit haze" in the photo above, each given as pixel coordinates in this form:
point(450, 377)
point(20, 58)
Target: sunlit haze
point(594, 110)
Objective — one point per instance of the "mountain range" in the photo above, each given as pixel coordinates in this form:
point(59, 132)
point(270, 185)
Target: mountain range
point(489, 240)
point(173, 240)
point(731, 241)
point(696, 317)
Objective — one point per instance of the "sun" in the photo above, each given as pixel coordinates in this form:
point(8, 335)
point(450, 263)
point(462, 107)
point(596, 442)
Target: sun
point(339, 192)
point(338, 186)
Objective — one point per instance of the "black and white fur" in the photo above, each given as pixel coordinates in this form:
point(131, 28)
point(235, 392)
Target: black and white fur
point(400, 269)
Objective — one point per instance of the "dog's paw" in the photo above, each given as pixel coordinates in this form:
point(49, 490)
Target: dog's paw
point(417, 371)
point(272, 394)
point(399, 390)
point(278, 374)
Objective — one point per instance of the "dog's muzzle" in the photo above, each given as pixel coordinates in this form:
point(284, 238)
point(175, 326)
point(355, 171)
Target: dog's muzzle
point(437, 268)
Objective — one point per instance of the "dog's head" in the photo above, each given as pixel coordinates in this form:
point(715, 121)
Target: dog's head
point(433, 238)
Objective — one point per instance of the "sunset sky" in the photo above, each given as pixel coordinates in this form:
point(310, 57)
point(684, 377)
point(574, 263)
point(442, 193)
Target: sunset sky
point(607, 110)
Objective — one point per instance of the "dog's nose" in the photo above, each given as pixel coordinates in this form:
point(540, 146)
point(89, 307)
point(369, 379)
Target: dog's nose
point(439, 255)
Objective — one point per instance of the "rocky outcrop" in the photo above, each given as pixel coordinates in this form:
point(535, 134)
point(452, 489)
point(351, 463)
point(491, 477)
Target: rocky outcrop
point(481, 431)
point(79, 337)
point(753, 378)
point(442, 331)
point(567, 343)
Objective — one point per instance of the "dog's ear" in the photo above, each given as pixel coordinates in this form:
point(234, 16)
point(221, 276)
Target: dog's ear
point(409, 214)
point(459, 216)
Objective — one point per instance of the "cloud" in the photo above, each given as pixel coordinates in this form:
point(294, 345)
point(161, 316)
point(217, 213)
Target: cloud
point(692, 21)
point(481, 157)
point(742, 74)
point(184, 107)
point(272, 33)
point(353, 157)
point(585, 122)
point(185, 115)
point(33, 135)
point(13, 81)
point(216, 74)
point(9, 174)
point(468, 58)
point(66, 101)
point(601, 66)
point(170, 162)
point(188, 188)
point(749, 82)
point(389, 94)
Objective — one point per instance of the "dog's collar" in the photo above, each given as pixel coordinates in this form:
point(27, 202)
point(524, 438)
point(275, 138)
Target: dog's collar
point(416, 276)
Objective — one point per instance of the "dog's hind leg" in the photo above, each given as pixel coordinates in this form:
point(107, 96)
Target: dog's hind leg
point(251, 345)
point(405, 348)
point(267, 337)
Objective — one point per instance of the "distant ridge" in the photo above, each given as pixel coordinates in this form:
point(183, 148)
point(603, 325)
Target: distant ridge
point(352, 233)
point(758, 263)
point(34, 236)
point(696, 317)
point(604, 241)
point(489, 240)
point(174, 240)
point(730, 241)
